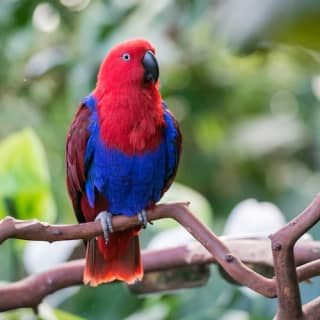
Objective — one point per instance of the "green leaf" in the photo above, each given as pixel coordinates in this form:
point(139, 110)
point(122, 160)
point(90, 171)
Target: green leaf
point(25, 181)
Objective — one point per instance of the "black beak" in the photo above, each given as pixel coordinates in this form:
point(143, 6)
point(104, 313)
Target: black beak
point(151, 68)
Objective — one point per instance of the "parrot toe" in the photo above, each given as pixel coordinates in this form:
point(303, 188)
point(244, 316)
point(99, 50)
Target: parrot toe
point(105, 218)
point(142, 216)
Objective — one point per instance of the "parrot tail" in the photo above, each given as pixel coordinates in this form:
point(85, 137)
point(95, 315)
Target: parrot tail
point(118, 260)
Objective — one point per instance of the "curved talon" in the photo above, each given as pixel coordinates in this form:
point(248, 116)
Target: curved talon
point(142, 216)
point(105, 218)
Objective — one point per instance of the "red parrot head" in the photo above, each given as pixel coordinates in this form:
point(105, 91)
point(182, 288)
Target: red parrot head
point(129, 63)
point(129, 103)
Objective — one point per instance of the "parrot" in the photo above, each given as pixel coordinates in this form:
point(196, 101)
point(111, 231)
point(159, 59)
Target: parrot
point(122, 154)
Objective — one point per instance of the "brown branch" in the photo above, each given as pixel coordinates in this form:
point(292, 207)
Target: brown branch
point(311, 310)
point(229, 262)
point(306, 251)
point(282, 247)
point(30, 291)
point(283, 242)
point(308, 270)
point(34, 230)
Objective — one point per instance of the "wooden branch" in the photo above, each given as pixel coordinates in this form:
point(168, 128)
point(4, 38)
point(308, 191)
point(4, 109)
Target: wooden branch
point(224, 257)
point(283, 241)
point(311, 310)
point(308, 270)
point(34, 230)
point(306, 251)
point(30, 291)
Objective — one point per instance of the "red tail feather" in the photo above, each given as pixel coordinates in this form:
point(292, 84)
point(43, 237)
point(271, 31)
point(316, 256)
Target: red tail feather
point(118, 260)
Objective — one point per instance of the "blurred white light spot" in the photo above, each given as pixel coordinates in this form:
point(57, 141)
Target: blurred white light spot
point(170, 238)
point(235, 315)
point(316, 86)
point(44, 60)
point(41, 256)
point(45, 17)
point(76, 5)
point(251, 218)
point(263, 135)
point(157, 312)
point(123, 4)
point(55, 299)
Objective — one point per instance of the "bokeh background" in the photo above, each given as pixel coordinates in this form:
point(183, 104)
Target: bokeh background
point(243, 79)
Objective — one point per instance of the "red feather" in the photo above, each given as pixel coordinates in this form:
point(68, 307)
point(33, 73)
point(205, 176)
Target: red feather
point(131, 120)
point(118, 260)
point(134, 126)
point(130, 110)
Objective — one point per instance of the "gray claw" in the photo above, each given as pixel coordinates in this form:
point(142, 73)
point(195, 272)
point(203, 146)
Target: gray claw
point(142, 216)
point(105, 218)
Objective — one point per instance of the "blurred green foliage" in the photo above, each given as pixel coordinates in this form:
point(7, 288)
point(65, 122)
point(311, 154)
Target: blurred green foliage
point(250, 122)
point(25, 181)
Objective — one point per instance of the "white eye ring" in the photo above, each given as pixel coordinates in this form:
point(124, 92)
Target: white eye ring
point(126, 57)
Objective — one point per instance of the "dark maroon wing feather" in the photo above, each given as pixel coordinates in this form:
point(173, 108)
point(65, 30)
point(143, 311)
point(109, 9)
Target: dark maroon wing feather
point(177, 142)
point(75, 156)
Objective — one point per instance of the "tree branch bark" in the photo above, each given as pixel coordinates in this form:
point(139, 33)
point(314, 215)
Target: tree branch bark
point(311, 310)
point(308, 270)
point(30, 291)
point(225, 253)
point(35, 230)
point(283, 241)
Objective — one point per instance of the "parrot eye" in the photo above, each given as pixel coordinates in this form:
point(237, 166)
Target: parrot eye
point(126, 57)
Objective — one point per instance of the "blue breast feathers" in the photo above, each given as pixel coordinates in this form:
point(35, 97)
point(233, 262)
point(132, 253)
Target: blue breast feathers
point(129, 183)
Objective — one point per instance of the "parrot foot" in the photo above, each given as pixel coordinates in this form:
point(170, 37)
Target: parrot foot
point(142, 216)
point(105, 218)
